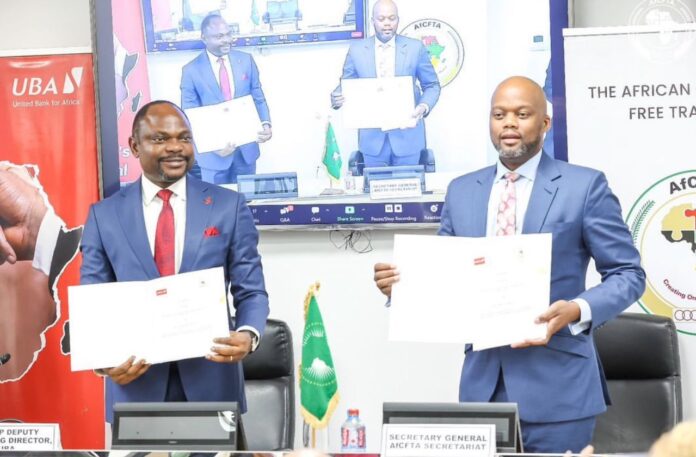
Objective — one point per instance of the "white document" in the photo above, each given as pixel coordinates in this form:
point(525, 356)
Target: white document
point(170, 318)
point(483, 291)
point(234, 122)
point(383, 103)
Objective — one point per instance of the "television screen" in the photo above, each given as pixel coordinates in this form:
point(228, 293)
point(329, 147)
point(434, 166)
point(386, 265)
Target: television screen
point(174, 25)
point(291, 88)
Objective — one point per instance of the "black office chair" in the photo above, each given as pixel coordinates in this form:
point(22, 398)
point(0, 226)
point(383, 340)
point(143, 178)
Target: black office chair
point(640, 356)
point(356, 162)
point(269, 424)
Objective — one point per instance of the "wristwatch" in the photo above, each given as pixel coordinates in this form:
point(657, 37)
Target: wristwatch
point(254, 340)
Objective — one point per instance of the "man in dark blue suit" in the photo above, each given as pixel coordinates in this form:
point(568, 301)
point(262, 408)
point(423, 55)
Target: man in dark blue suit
point(387, 55)
point(165, 223)
point(216, 75)
point(557, 381)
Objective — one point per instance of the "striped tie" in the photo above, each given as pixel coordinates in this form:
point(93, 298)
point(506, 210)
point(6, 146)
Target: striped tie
point(505, 222)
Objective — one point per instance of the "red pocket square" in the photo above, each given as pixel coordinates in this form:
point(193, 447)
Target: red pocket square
point(211, 231)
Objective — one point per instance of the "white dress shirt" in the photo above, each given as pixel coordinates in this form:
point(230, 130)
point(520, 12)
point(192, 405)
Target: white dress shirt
point(523, 192)
point(385, 58)
point(215, 65)
point(152, 206)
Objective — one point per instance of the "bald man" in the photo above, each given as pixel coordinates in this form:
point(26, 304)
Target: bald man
point(557, 382)
point(386, 55)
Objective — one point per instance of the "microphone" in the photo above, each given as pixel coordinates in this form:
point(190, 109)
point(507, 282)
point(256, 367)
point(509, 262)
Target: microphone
point(4, 359)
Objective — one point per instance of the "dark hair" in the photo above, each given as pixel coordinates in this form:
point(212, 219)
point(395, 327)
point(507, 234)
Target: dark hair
point(142, 112)
point(208, 19)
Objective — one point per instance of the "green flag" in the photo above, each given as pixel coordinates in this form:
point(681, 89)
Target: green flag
point(318, 385)
point(332, 156)
point(254, 13)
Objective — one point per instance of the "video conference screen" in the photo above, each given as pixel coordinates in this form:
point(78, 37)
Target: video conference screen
point(160, 52)
point(174, 25)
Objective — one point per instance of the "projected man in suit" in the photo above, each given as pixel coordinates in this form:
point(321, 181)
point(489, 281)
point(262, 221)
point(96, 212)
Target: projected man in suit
point(34, 249)
point(387, 55)
point(557, 381)
point(167, 223)
point(216, 75)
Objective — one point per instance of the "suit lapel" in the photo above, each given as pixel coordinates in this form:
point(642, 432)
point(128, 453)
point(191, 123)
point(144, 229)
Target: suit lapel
point(199, 205)
point(238, 75)
point(400, 56)
point(132, 220)
point(543, 193)
point(369, 51)
point(480, 203)
point(208, 79)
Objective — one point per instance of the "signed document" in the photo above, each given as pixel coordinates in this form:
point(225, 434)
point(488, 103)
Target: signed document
point(483, 291)
point(383, 103)
point(234, 122)
point(170, 318)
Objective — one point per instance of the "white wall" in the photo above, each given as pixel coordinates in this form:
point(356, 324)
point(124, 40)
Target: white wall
point(43, 24)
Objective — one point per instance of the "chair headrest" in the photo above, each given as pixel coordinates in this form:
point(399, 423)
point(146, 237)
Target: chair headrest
point(638, 346)
point(274, 356)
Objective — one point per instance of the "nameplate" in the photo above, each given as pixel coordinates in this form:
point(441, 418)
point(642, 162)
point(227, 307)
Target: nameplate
point(29, 437)
point(395, 188)
point(438, 440)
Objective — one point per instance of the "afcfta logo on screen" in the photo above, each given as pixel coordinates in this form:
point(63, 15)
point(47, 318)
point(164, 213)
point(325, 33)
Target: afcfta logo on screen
point(40, 86)
point(443, 43)
point(663, 225)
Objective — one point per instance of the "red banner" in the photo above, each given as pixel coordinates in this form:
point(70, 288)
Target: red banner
point(132, 84)
point(48, 179)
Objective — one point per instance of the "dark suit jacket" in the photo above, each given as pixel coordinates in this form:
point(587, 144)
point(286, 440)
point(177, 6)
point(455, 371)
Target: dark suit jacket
point(115, 248)
point(563, 380)
point(200, 88)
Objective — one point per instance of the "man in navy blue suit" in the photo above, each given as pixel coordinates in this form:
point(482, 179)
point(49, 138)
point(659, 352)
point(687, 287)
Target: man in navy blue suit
point(219, 74)
point(557, 382)
point(387, 55)
point(209, 226)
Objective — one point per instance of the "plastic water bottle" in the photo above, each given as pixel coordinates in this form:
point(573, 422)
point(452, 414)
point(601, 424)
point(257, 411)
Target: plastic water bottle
point(353, 433)
point(349, 181)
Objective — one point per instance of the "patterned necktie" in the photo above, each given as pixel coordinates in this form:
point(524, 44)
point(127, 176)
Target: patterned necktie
point(164, 236)
point(224, 80)
point(505, 222)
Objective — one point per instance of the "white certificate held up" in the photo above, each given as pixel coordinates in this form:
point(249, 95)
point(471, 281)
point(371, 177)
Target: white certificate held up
point(170, 318)
point(483, 291)
point(383, 103)
point(234, 122)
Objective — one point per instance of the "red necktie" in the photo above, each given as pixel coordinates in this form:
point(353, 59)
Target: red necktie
point(224, 80)
point(505, 222)
point(164, 236)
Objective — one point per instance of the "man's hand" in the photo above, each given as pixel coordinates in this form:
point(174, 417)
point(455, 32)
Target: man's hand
point(227, 150)
point(386, 275)
point(231, 348)
point(265, 134)
point(127, 372)
point(419, 111)
point(557, 316)
point(21, 211)
point(337, 100)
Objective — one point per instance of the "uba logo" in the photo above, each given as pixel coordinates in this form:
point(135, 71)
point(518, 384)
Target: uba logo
point(43, 86)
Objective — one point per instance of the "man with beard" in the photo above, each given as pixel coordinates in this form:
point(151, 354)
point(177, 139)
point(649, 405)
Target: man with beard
point(387, 55)
point(557, 381)
point(167, 223)
point(34, 249)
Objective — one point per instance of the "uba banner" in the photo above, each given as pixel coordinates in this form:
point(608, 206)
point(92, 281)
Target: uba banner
point(48, 179)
